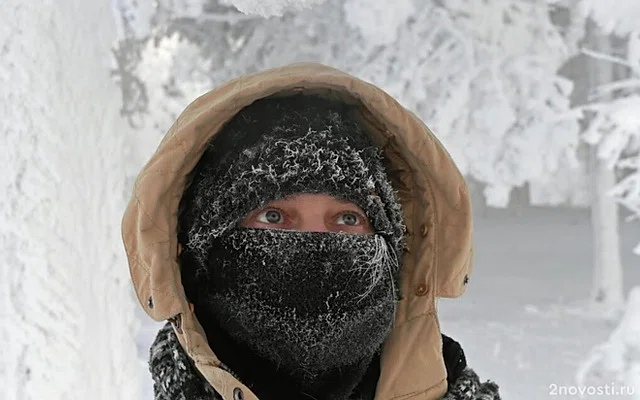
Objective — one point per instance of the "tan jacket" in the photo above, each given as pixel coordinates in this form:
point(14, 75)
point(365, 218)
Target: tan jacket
point(436, 260)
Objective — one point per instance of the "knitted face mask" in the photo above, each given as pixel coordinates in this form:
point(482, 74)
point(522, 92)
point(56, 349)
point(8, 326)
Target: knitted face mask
point(307, 301)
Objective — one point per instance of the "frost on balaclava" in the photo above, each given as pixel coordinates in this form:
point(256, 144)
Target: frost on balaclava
point(308, 302)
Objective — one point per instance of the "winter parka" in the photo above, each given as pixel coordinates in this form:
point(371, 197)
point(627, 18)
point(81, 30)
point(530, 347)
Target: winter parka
point(436, 262)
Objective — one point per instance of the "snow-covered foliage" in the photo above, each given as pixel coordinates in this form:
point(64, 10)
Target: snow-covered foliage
point(174, 71)
point(615, 130)
point(133, 18)
point(481, 74)
point(67, 323)
point(488, 86)
point(270, 8)
point(377, 22)
point(142, 16)
point(619, 17)
point(615, 127)
point(618, 358)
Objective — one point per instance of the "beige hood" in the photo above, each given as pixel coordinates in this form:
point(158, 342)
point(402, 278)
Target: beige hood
point(436, 261)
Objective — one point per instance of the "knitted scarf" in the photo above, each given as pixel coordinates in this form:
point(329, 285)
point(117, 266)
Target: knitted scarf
point(176, 378)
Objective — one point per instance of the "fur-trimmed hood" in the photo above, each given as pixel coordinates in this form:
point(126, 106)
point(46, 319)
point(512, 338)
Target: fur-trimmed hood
point(436, 261)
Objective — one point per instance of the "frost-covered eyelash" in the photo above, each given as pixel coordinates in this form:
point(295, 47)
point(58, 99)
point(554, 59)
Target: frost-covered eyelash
point(363, 220)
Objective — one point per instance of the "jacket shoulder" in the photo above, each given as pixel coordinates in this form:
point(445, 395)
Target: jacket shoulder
point(463, 382)
point(174, 375)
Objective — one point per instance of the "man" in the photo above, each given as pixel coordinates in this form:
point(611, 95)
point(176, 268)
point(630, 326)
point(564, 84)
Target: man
point(296, 227)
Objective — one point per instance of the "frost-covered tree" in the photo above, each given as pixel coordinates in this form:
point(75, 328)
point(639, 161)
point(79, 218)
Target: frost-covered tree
point(614, 132)
point(607, 290)
point(269, 8)
point(615, 129)
point(484, 75)
point(620, 17)
point(490, 90)
point(606, 103)
point(481, 74)
point(67, 323)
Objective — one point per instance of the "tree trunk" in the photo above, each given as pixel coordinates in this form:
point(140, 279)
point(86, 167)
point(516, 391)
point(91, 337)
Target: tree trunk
point(607, 290)
point(67, 323)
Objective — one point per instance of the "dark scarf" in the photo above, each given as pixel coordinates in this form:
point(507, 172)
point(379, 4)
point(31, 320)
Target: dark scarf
point(307, 311)
point(176, 378)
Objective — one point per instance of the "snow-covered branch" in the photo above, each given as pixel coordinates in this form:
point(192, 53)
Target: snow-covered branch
point(228, 17)
point(487, 85)
point(271, 8)
point(615, 130)
point(619, 17)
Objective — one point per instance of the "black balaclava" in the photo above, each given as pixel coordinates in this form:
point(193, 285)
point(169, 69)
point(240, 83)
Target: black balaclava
point(309, 307)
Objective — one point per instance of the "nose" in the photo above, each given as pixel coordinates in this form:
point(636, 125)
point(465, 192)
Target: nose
point(312, 224)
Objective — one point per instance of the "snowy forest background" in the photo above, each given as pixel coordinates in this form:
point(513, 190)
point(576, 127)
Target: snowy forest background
point(537, 101)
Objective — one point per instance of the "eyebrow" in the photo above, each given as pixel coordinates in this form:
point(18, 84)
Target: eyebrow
point(345, 201)
point(340, 200)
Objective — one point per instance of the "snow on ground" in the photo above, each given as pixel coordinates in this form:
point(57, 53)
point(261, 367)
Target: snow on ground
point(523, 321)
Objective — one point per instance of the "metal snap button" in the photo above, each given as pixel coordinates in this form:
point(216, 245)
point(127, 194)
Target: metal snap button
point(237, 394)
point(421, 290)
point(424, 229)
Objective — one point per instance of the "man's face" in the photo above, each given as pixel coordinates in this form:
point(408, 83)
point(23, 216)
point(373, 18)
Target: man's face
point(310, 213)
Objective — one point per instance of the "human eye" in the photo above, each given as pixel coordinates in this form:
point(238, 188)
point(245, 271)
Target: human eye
point(270, 216)
point(349, 218)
